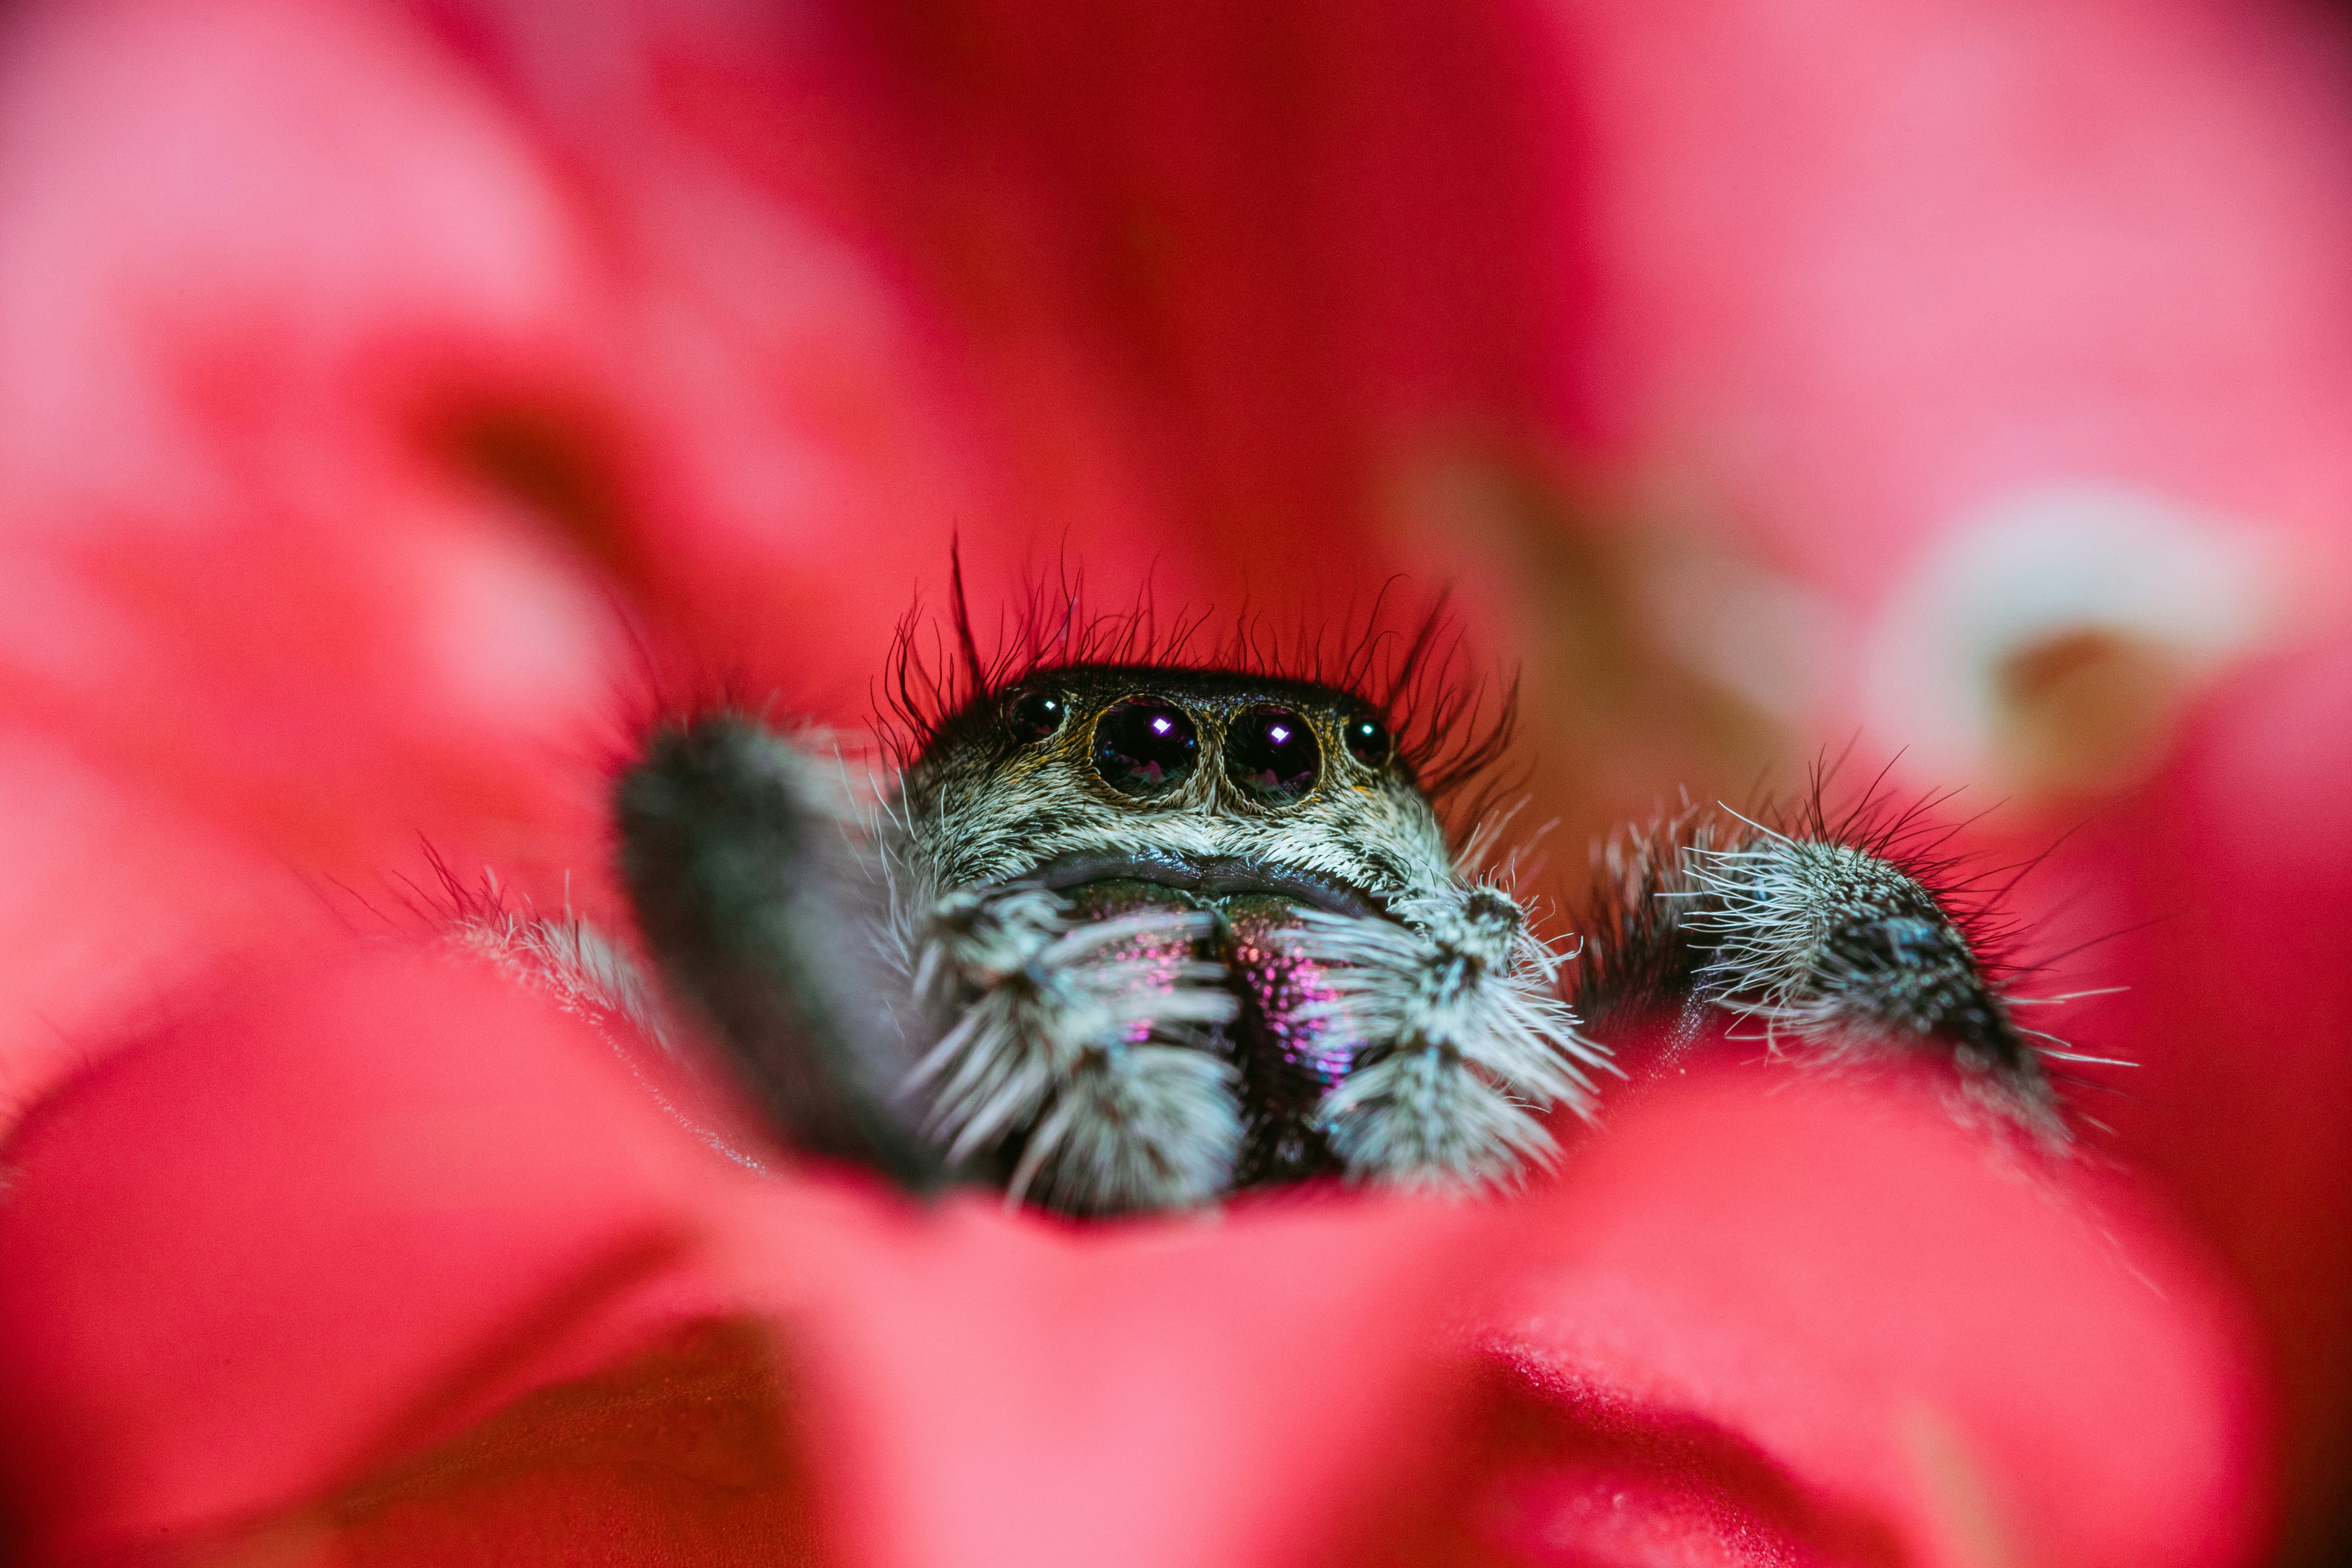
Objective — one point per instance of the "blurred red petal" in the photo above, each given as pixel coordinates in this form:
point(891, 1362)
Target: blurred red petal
point(404, 1169)
point(238, 238)
point(1869, 268)
point(2218, 898)
point(1304, 244)
point(332, 439)
point(1202, 290)
point(1881, 1312)
point(418, 1196)
point(278, 1252)
point(113, 897)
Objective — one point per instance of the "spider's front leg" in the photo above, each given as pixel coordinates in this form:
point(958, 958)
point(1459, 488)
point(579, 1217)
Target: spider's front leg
point(1807, 939)
point(763, 917)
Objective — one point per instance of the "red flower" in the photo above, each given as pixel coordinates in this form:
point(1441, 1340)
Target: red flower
point(371, 368)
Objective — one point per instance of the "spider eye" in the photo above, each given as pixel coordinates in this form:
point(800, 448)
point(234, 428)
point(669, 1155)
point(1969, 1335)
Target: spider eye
point(1368, 741)
point(1270, 752)
point(1144, 746)
point(1034, 715)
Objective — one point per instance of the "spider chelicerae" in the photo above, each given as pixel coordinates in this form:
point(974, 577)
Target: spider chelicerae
point(1123, 933)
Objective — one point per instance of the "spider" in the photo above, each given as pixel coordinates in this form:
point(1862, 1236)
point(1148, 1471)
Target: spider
point(1126, 933)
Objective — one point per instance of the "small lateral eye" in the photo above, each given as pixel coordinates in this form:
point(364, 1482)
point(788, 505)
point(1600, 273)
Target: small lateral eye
point(1271, 755)
point(1034, 715)
point(1144, 746)
point(1368, 741)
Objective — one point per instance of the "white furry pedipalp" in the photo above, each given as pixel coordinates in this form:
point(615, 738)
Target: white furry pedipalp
point(1102, 1058)
point(1465, 1040)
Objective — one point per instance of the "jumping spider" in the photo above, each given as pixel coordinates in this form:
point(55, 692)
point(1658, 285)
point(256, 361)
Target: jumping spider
point(1125, 935)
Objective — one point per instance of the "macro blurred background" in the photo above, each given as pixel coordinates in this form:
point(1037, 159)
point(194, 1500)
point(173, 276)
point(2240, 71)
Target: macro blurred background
point(1962, 387)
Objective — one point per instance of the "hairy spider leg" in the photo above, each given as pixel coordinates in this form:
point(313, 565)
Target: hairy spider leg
point(736, 850)
point(1815, 942)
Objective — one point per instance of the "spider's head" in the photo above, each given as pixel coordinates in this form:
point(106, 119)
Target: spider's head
point(1206, 780)
point(1239, 803)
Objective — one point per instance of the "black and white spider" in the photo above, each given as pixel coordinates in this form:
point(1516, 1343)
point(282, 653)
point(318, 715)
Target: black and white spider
point(1123, 933)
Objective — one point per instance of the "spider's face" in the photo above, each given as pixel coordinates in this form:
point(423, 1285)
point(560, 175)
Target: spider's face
point(1200, 780)
point(1209, 819)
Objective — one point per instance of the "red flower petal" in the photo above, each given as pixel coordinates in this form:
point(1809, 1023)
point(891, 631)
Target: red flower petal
point(2219, 901)
point(263, 1261)
point(1986, 1360)
point(344, 1218)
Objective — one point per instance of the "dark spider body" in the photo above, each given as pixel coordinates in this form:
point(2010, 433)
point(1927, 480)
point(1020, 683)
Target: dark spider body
point(1125, 935)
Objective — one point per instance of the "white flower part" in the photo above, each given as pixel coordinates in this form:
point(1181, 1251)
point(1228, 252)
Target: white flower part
point(1464, 1038)
point(1771, 641)
point(2036, 567)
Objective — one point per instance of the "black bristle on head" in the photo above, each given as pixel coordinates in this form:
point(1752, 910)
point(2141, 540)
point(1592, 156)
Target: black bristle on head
point(975, 673)
point(1415, 671)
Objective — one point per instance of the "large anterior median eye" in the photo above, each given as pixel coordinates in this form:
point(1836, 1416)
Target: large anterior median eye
point(1271, 753)
point(1144, 746)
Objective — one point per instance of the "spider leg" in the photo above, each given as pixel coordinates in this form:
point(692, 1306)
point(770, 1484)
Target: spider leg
point(1083, 1051)
point(1825, 946)
point(1465, 1040)
point(738, 859)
